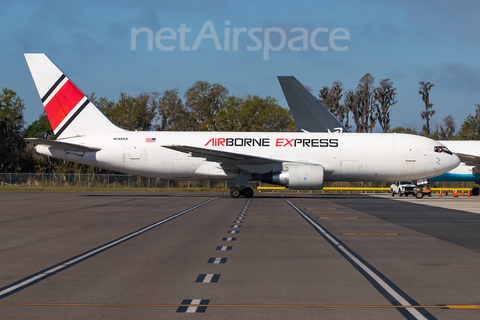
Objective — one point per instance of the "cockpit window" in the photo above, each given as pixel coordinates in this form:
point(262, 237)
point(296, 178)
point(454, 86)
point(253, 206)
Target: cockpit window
point(447, 151)
point(441, 149)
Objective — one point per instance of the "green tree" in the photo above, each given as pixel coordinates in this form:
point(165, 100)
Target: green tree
point(350, 102)
point(13, 156)
point(228, 117)
point(331, 99)
point(477, 115)
point(40, 128)
point(135, 113)
point(424, 91)
point(253, 113)
point(130, 113)
point(401, 129)
point(362, 103)
point(203, 100)
point(171, 112)
point(470, 128)
point(324, 97)
point(108, 107)
point(446, 130)
point(385, 96)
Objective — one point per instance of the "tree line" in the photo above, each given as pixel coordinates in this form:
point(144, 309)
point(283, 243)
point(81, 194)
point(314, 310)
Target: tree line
point(209, 107)
point(367, 103)
point(370, 105)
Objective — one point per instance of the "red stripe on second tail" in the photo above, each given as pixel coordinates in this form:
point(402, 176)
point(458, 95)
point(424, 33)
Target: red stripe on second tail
point(62, 103)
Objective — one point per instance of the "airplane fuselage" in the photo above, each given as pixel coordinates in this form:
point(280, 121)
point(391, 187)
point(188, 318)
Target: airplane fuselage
point(364, 157)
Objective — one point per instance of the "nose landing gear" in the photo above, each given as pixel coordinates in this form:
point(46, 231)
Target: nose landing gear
point(237, 192)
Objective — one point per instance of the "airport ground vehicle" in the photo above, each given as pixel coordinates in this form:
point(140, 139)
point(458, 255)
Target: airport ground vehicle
point(423, 191)
point(403, 188)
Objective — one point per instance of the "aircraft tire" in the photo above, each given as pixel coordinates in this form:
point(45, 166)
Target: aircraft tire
point(248, 192)
point(475, 191)
point(235, 192)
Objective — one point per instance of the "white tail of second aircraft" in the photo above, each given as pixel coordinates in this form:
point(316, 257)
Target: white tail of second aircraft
point(70, 112)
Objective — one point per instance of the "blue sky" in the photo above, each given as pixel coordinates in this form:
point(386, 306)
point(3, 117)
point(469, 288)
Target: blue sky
point(407, 41)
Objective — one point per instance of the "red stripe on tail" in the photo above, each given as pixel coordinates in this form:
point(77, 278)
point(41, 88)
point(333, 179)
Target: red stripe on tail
point(62, 103)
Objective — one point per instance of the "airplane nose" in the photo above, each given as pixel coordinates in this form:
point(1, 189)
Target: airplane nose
point(455, 161)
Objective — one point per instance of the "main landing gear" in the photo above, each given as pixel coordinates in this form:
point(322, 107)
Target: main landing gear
point(237, 192)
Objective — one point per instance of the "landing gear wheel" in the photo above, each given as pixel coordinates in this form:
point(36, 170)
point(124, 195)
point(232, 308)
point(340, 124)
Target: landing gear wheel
point(235, 192)
point(248, 192)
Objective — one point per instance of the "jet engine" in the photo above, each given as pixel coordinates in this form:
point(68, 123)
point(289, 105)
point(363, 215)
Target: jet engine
point(296, 176)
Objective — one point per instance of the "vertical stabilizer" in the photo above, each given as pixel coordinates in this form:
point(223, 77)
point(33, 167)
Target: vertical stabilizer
point(309, 113)
point(69, 111)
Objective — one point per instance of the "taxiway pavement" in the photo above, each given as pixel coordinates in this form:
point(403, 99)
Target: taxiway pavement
point(144, 255)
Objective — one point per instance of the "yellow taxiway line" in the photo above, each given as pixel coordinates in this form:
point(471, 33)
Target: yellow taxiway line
point(448, 306)
point(369, 234)
point(337, 217)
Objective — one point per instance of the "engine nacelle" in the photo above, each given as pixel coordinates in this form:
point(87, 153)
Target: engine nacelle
point(297, 176)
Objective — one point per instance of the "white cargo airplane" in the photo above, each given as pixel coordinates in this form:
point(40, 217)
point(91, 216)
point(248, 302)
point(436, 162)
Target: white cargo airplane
point(312, 116)
point(296, 160)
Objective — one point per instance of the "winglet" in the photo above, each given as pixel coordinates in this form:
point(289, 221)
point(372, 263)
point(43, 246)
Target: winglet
point(309, 113)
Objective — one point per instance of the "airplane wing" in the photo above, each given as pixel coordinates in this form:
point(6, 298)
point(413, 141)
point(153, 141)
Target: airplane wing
point(219, 156)
point(309, 113)
point(468, 159)
point(62, 145)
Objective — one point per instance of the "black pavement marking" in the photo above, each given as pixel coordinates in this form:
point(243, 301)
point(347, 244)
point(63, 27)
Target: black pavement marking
point(223, 248)
point(208, 278)
point(194, 306)
point(217, 260)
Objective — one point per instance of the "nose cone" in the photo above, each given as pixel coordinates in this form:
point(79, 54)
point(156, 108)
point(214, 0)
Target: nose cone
point(454, 161)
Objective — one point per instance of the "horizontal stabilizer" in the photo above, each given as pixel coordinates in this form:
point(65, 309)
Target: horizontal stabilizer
point(309, 113)
point(66, 146)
